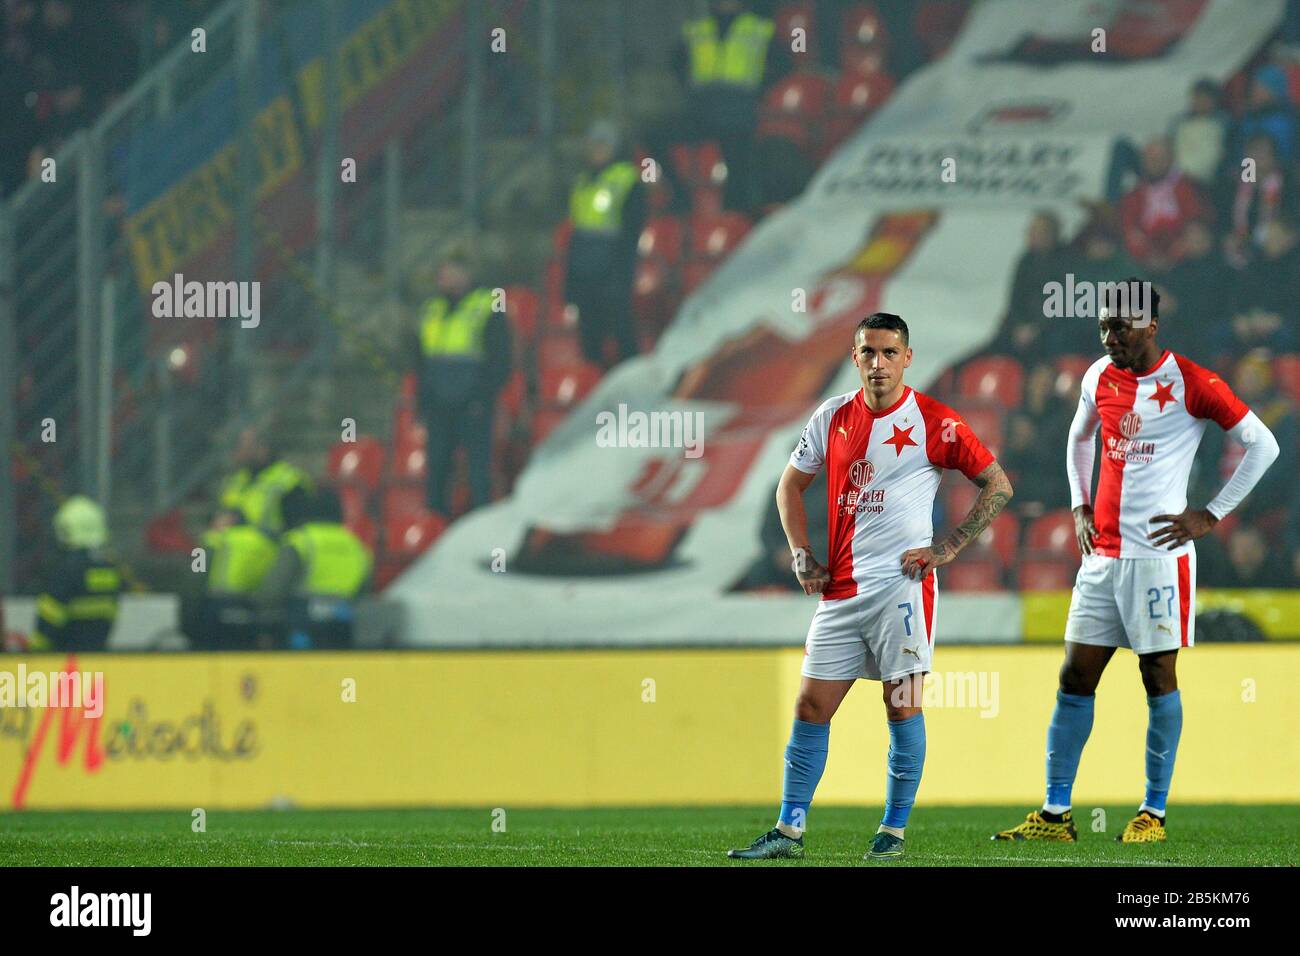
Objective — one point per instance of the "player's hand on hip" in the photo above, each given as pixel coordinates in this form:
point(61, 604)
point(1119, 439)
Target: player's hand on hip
point(1085, 528)
point(919, 562)
point(813, 576)
point(1178, 529)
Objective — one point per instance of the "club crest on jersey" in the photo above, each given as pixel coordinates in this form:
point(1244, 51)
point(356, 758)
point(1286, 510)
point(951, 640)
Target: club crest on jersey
point(1130, 424)
point(861, 473)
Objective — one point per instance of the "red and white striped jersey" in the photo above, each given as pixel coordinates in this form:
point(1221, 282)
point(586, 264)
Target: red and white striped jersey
point(1151, 425)
point(882, 472)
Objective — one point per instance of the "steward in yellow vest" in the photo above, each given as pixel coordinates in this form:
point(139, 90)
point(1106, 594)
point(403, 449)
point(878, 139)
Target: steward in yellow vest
point(729, 49)
point(608, 210)
point(463, 344)
point(254, 490)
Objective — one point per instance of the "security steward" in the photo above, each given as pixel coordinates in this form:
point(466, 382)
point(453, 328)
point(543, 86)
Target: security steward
point(255, 489)
point(725, 59)
point(77, 608)
point(320, 569)
point(607, 208)
point(465, 359)
point(239, 556)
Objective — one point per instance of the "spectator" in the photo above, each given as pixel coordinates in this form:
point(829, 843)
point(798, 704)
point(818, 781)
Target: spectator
point(726, 62)
point(1200, 134)
point(1244, 561)
point(1035, 435)
point(465, 359)
point(1095, 256)
point(1195, 295)
point(1027, 333)
point(1156, 210)
point(1268, 112)
point(607, 208)
point(1257, 200)
point(1273, 279)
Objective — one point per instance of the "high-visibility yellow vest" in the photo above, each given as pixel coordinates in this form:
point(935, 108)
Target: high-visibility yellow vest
point(596, 203)
point(257, 496)
point(336, 563)
point(239, 558)
point(458, 332)
point(735, 60)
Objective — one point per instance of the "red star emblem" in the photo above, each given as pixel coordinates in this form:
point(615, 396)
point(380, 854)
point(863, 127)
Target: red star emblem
point(902, 438)
point(1164, 393)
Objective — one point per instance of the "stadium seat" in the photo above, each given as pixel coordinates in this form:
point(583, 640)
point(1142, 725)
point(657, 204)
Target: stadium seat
point(959, 496)
point(352, 499)
point(167, 534)
point(985, 421)
point(791, 17)
point(411, 534)
point(563, 386)
point(651, 294)
point(994, 377)
point(545, 421)
point(1053, 533)
point(521, 309)
point(560, 236)
point(1001, 539)
point(857, 97)
point(694, 274)
point(714, 237)
point(795, 109)
point(861, 28)
point(514, 394)
point(358, 462)
point(971, 573)
point(661, 239)
point(1286, 369)
point(409, 462)
point(1046, 571)
point(363, 526)
point(402, 498)
point(1069, 373)
point(558, 349)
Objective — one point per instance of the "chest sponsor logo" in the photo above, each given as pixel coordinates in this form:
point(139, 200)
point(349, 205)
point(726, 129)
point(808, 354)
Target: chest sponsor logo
point(1130, 424)
point(861, 473)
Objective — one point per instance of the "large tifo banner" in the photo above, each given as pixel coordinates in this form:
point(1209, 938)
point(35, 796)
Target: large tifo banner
point(611, 537)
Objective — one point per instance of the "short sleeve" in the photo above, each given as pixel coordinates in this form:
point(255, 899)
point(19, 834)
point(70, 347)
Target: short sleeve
point(1209, 396)
point(949, 441)
point(809, 455)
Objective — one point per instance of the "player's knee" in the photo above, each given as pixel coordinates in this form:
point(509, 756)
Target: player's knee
point(1077, 680)
point(812, 711)
point(1157, 679)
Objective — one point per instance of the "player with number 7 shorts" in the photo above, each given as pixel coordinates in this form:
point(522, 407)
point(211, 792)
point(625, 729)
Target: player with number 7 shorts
point(884, 448)
point(1136, 586)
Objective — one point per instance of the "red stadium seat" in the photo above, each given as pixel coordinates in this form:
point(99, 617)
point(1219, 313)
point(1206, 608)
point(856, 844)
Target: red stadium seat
point(971, 573)
point(402, 499)
point(661, 239)
point(1053, 533)
point(352, 499)
point(409, 463)
point(694, 274)
point(1001, 539)
point(545, 422)
point(522, 306)
point(411, 534)
point(791, 17)
point(558, 349)
point(564, 386)
point(1046, 571)
point(794, 109)
point(167, 534)
point(364, 528)
point(985, 422)
point(857, 97)
point(651, 294)
point(994, 377)
point(513, 394)
point(861, 28)
point(937, 23)
point(1069, 373)
point(560, 236)
point(1286, 369)
point(714, 237)
point(359, 462)
point(959, 496)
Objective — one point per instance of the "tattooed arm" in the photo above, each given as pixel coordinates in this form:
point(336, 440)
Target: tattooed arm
point(995, 492)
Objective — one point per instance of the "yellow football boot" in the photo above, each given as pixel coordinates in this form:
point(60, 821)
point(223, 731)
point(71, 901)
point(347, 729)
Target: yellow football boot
point(1036, 828)
point(1143, 828)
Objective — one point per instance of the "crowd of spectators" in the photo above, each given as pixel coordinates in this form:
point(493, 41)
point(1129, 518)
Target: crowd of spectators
point(62, 62)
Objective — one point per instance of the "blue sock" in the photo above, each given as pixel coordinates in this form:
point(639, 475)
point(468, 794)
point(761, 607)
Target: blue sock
point(805, 759)
point(1164, 726)
point(906, 758)
point(1066, 734)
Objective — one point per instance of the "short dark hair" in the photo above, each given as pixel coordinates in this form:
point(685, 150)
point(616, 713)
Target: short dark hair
point(882, 320)
point(1136, 298)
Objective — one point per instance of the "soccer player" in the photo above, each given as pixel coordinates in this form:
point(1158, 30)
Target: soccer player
point(883, 447)
point(1136, 586)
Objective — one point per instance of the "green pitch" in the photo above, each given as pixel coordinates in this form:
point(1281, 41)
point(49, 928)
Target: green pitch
point(938, 836)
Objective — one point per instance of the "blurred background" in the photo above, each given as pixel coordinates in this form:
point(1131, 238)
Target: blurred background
point(476, 225)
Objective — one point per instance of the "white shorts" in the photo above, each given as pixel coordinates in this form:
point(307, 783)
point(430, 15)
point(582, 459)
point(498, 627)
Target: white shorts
point(1145, 604)
point(884, 632)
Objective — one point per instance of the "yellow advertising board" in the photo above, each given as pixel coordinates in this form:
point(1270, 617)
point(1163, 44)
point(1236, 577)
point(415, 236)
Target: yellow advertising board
point(610, 728)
